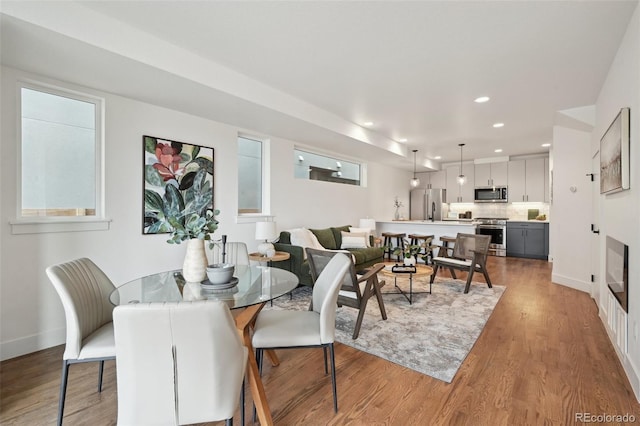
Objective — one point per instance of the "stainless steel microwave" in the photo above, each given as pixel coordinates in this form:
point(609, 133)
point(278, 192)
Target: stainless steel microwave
point(491, 194)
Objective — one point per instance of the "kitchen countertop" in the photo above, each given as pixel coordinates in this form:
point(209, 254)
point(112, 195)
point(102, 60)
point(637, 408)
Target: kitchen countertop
point(468, 222)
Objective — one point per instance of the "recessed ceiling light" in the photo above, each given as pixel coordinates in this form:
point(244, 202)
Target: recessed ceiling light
point(546, 145)
point(481, 99)
point(497, 125)
point(498, 150)
point(368, 123)
point(437, 157)
point(402, 140)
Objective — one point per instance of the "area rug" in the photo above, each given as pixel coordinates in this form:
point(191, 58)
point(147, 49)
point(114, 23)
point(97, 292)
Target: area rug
point(432, 336)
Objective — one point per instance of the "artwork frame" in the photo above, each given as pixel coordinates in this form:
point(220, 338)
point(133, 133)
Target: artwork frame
point(169, 162)
point(614, 155)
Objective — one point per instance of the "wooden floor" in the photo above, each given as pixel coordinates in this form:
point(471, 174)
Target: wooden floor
point(543, 357)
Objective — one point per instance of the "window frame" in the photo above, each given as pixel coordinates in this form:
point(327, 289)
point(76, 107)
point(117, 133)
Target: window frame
point(362, 167)
point(40, 224)
point(265, 152)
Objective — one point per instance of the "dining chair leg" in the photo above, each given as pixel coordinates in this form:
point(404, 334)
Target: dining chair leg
point(242, 402)
point(229, 422)
point(100, 371)
point(333, 377)
point(324, 352)
point(63, 390)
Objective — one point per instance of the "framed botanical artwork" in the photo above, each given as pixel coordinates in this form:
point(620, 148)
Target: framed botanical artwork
point(614, 155)
point(178, 177)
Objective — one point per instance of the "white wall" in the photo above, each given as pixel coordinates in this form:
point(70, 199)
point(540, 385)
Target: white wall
point(620, 213)
point(31, 316)
point(569, 229)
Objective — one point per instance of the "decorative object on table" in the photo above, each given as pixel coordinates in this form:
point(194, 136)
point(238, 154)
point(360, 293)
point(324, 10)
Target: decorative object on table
point(397, 204)
point(614, 155)
point(410, 252)
point(404, 269)
point(266, 231)
point(532, 213)
point(220, 273)
point(414, 181)
point(462, 179)
point(171, 168)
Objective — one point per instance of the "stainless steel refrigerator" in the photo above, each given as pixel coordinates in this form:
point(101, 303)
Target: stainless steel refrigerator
point(426, 204)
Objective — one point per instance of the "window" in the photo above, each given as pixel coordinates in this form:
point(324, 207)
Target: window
point(60, 161)
point(319, 167)
point(250, 175)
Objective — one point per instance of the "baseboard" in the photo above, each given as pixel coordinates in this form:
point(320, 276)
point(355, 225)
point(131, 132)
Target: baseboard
point(631, 370)
point(33, 343)
point(571, 282)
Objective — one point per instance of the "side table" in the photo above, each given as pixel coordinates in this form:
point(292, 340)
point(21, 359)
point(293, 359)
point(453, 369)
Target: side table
point(279, 256)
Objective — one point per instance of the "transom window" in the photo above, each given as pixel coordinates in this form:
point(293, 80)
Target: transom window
point(320, 167)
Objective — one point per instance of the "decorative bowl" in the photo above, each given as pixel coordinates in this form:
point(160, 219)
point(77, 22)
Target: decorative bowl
point(220, 273)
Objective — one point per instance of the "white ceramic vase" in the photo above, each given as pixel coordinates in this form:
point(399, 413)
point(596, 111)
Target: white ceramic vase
point(409, 261)
point(194, 268)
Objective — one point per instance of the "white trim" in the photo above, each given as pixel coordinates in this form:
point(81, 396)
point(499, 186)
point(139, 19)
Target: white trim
point(19, 227)
point(571, 283)
point(27, 225)
point(254, 217)
point(35, 342)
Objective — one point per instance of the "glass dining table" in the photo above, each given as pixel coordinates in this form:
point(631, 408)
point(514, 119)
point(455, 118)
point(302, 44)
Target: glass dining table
point(256, 286)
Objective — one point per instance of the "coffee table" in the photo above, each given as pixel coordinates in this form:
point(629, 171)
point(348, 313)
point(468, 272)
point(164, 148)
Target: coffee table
point(421, 271)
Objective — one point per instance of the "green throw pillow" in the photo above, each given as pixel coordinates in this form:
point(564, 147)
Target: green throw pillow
point(337, 234)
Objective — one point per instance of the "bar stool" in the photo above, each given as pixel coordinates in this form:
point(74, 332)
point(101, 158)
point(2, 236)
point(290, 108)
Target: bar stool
point(417, 240)
point(388, 248)
point(444, 252)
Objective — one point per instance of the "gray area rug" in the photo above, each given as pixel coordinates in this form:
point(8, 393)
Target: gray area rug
point(432, 336)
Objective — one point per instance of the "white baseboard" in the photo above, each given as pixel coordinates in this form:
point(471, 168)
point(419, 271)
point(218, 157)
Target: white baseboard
point(571, 282)
point(33, 343)
point(631, 370)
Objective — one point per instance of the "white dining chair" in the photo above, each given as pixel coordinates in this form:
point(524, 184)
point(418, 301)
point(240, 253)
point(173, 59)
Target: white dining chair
point(177, 363)
point(84, 292)
point(234, 252)
point(314, 328)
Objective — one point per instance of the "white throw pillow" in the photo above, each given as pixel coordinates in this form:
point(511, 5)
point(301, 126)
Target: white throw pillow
point(353, 240)
point(364, 230)
point(304, 238)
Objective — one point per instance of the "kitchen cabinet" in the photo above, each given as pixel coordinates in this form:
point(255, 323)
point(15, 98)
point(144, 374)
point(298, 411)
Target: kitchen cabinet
point(432, 180)
point(491, 174)
point(460, 193)
point(528, 239)
point(526, 180)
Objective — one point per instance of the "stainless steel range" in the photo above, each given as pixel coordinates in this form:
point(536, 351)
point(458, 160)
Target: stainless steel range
point(496, 228)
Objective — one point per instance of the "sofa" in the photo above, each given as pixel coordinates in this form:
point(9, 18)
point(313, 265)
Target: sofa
point(330, 239)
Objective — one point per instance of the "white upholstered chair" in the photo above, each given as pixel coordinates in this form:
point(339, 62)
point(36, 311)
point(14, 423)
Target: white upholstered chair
point(84, 292)
point(177, 363)
point(234, 252)
point(314, 328)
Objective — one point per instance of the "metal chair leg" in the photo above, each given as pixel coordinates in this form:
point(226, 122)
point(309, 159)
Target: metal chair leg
point(324, 352)
point(100, 371)
point(242, 402)
point(333, 377)
point(229, 422)
point(63, 390)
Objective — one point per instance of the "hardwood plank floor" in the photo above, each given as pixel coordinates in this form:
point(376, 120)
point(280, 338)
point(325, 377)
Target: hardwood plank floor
point(543, 356)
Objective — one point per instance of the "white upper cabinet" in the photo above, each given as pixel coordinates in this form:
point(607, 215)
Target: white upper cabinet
point(432, 180)
point(526, 180)
point(460, 193)
point(491, 174)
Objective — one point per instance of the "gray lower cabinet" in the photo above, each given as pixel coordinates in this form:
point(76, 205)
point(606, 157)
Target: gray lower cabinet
point(526, 239)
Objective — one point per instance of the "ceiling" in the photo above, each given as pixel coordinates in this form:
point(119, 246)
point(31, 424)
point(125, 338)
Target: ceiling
point(315, 72)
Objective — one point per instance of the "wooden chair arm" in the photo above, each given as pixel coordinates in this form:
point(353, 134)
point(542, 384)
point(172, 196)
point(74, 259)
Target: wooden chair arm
point(370, 272)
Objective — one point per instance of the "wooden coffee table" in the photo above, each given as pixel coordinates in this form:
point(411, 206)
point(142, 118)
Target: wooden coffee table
point(421, 271)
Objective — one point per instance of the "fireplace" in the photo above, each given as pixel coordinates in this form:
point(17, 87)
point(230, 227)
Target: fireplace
point(617, 271)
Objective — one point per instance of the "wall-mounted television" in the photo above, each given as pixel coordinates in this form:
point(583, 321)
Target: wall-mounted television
point(617, 271)
point(614, 155)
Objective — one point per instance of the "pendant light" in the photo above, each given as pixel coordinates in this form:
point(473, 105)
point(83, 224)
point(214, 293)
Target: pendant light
point(415, 181)
point(461, 177)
